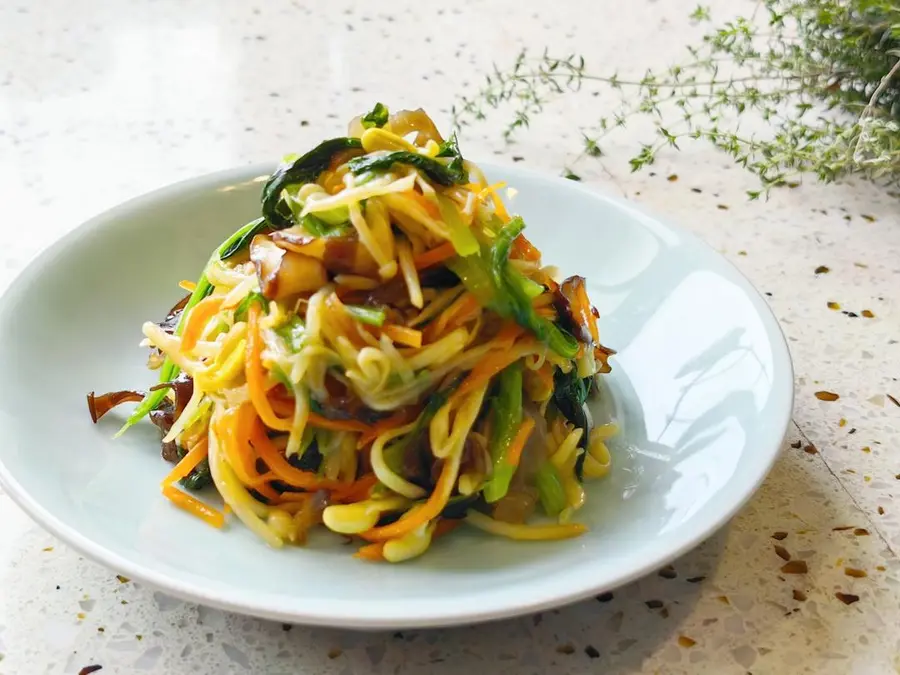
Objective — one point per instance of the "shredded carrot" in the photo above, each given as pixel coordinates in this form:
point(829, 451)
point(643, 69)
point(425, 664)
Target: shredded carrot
point(546, 312)
point(433, 256)
point(275, 460)
point(507, 335)
point(489, 365)
point(321, 422)
point(233, 429)
point(196, 321)
point(371, 552)
point(398, 419)
point(189, 286)
point(467, 310)
point(286, 407)
point(357, 491)
point(492, 190)
point(429, 206)
point(403, 335)
point(514, 453)
point(256, 376)
point(524, 249)
point(188, 463)
point(194, 506)
point(445, 526)
point(420, 515)
point(545, 372)
point(455, 314)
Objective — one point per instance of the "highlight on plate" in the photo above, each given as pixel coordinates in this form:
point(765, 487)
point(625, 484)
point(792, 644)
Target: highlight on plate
point(383, 352)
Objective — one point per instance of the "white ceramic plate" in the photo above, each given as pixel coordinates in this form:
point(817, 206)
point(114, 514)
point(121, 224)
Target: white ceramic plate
point(702, 387)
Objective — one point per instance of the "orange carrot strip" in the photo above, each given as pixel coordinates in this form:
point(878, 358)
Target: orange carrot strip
point(445, 526)
point(403, 335)
point(286, 406)
point(188, 463)
point(273, 458)
point(240, 455)
point(467, 310)
point(196, 321)
point(194, 506)
point(433, 256)
point(398, 419)
point(492, 190)
point(357, 491)
point(371, 552)
point(514, 453)
point(256, 376)
point(491, 364)
point(429, 206)
point(507, 335)
point(321, 422)
point(524, 249)
point(420, 515)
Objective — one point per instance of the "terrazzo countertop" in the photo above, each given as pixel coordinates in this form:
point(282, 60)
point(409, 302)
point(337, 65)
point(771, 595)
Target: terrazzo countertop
point(101, 101)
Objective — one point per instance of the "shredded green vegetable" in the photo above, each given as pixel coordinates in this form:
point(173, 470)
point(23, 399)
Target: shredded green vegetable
point(507, 410)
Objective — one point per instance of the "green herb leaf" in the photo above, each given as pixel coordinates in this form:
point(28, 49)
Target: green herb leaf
point(168, 371)
point(304, 169)
point(442, 174)
point(506, 408)
point(293, 333)
point(241, 239)
point(550, 489)
point(374, 316)
point(240, 312)
point(377, 117)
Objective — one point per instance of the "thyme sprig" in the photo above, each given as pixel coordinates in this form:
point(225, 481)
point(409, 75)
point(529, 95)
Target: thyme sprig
point(822, 78)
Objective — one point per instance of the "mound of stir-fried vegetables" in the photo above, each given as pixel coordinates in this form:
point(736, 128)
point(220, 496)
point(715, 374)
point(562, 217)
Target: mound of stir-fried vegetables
point(382, 351)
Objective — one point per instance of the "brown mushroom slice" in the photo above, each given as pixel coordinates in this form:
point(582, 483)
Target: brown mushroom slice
point(571, 301)
point(601, 356)
point(404, 122)
point(98, 406)
point(340, 255)
point(283, 273)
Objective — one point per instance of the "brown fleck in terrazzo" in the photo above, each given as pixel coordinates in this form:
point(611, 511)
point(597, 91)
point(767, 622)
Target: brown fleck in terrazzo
point(779, 535)
point(795, 567)
point(799, 595)
point(822, 269)
point(847, 598)
point(827, 396)
point(782, 552)
point(855, 573)
point(831, 304)
point(686, 642)
point(568, 649)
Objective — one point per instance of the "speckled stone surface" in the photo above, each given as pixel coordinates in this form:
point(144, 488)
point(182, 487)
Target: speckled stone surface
point(101, 101)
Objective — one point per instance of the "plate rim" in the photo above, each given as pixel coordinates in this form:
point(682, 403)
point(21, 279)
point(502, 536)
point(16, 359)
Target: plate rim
point(183, 589)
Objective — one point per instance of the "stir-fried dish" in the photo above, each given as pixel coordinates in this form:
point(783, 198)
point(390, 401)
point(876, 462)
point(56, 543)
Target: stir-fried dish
point(383, 352)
